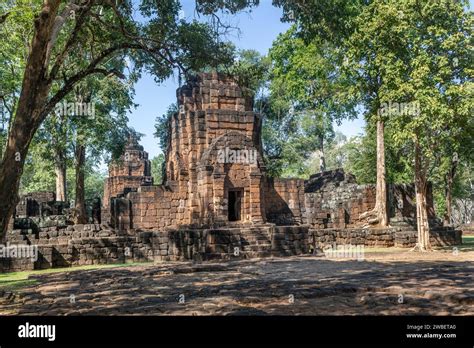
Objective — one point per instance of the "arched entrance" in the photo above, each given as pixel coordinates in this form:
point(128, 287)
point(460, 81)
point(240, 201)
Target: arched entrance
point(230, 176)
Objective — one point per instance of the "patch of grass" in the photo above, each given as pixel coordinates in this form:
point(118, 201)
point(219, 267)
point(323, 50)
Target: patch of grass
point(467, 245)
point(17, 280)
point(384, 250)
point(16, 285)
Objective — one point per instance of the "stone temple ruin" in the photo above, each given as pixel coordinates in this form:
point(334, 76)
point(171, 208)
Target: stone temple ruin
point(216, 200)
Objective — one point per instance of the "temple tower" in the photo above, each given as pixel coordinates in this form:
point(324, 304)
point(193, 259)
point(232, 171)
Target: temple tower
point(214, 155)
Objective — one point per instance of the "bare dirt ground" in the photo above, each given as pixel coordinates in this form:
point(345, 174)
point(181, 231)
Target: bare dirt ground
point(384, 283)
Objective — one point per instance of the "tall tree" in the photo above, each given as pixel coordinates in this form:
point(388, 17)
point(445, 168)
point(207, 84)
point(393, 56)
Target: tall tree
point(340, 23)
point(359, 157)
point(307, 84)
point(424, 43)
point(13, 56)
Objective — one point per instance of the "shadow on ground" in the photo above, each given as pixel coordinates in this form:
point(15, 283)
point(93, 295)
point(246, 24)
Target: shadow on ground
point(289, 286)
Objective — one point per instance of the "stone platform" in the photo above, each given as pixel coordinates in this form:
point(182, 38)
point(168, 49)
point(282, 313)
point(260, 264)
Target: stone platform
point(89, 244)
point(92, 244)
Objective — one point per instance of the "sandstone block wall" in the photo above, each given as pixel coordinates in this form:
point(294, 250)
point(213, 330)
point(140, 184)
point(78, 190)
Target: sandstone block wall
point(39, 203)
point(285, 201)
point(322, 238)
point(439, 237)
point(92, 244)
point(89, 244)
point(333, 199)
point(130, 172)
point(380, 237)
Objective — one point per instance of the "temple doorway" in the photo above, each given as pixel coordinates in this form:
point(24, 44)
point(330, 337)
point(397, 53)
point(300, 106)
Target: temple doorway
point(235, 204)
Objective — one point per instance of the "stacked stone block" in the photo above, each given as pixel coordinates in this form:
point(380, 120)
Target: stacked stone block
point(130, 172)
point(90, 245)
point(285, 201)
point(322, 238)
point(39, 204)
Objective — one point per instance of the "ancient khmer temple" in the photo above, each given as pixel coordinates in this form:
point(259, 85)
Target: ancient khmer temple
point(216, 200)
point(214, 171)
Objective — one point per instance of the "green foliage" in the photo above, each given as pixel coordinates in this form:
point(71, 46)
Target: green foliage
point(157, 163)
point(308, 93)
point(289, 142)
point(162, 126)
point(18, 28)
point(94, 183)
point(39, 175)
point(463, 185)
point(306, 75)
point(230, 6)
point(358, 156)
point(331, 19)
point(250, 70)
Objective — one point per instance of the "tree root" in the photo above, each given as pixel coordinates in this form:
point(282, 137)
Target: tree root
point(371, 218)
point(418, 248)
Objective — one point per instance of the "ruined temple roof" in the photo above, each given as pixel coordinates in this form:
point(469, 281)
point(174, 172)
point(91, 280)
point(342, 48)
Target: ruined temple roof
point(132, 143)
point(330, 177)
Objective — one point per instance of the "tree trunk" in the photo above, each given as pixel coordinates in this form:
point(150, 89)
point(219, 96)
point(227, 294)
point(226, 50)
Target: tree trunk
point(60, 170)
point(378, 216)
point(28, 116)
point(322, 159)
point(381, 191)
point(11, 167)
point(423, 228)
point(449, 198)
point(449, 192)
point(80, 204)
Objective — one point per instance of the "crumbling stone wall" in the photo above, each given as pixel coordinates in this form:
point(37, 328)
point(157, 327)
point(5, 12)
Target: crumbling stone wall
point(38, 210)
point(285, 201)
point(131, 171)
point(379, 237)
point(333, 199)
point(323, 238)
point(38, 204)
point(89, 244)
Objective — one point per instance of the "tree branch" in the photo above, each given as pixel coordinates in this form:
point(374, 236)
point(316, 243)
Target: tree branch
point(91, 69)
point(72, 39)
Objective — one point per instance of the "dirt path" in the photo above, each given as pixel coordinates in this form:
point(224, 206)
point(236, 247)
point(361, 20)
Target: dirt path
point(438, 283)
